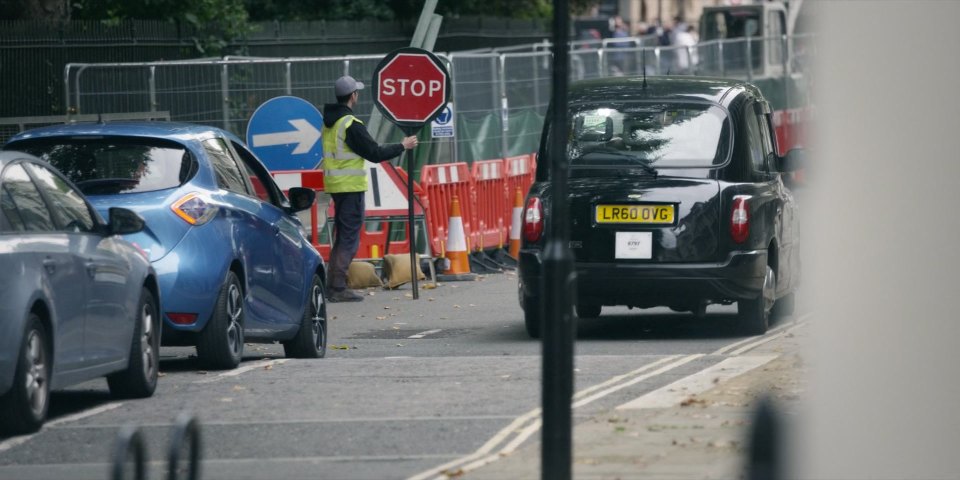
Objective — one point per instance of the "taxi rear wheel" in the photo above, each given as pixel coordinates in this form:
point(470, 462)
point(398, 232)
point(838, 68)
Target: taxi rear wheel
point(531, 315)
point(754, 314)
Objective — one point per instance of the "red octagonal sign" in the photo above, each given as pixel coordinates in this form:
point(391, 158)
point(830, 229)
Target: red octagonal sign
point(412, 87)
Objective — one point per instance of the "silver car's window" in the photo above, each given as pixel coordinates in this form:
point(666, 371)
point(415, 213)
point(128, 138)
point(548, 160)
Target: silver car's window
point(115, 165)
point(22, 204)
point(687, 135)
point(69, 208)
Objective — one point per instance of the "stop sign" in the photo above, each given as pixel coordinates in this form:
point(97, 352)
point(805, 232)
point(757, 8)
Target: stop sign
point(412, 87)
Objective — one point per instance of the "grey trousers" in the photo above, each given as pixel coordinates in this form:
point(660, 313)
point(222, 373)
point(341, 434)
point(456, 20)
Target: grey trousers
point(348, 211)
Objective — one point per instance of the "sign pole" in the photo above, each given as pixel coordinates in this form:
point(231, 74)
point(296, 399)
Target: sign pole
point(412, 88)
point(412, 235)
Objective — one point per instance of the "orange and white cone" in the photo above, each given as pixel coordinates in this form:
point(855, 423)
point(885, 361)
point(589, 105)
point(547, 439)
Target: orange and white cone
point(456, 242)
point(515, 225)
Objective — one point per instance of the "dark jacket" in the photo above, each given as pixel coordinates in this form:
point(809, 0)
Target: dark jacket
point(358, 138)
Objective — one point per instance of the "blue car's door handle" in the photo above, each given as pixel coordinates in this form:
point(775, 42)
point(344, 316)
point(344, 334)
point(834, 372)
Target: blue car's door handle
point(91, 268)
point(276, 229)
point(50, 265)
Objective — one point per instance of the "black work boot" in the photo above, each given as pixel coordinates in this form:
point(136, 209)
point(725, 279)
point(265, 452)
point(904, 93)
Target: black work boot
point(345, 295)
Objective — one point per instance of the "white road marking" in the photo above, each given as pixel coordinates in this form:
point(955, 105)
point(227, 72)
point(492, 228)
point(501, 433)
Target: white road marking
point(750, 346)
point(244, 369)
point(770, 335)
point(16, 441)
point(675, 393)
point(483, 455)
point(424, 334)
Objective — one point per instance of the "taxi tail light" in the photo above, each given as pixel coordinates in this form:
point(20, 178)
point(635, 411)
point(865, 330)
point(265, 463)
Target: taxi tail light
point(193, 209)
point(740, 218)
point(533, 220)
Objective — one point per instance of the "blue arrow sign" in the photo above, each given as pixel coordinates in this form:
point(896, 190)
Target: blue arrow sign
point(284, 132)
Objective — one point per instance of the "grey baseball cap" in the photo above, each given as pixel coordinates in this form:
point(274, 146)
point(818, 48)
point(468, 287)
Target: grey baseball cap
point(346, 85)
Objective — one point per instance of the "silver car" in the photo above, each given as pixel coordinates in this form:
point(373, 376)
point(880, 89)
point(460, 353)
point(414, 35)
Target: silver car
point(76, 301)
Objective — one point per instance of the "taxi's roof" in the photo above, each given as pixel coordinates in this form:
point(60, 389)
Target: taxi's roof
point(714, 90)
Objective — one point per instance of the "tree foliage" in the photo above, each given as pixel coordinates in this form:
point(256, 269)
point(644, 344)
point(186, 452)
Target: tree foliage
point(218, 22)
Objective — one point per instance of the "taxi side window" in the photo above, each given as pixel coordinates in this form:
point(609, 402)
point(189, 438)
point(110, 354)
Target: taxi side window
point(754, 141)
point(229, 175)
point(22, 205)
point(67, 205)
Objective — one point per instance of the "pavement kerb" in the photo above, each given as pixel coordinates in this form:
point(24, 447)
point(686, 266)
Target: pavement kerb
point(704, 438)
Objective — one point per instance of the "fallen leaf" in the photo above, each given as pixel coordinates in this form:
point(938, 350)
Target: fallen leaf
point(409, 295)
point(429, 286)
point(472, 305)
point(161, 374)
point(399, 344)
point(340, 347)
point(226, 399)
point(386, 308)
point(430, 299)
point(504, 376)
point(456, 306)
point(381, 318)
point(268, 367)
point(239, 388)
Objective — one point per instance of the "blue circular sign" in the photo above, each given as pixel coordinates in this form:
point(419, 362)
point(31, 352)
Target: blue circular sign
point(284, 133)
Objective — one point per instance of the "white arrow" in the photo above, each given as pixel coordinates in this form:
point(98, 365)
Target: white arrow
point(305, 135)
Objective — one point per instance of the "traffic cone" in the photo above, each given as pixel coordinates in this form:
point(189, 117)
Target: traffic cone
point(458, 262)
point(515, 224)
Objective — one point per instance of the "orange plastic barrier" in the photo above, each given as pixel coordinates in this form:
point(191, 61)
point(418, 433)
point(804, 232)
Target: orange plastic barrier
point(520, 172)
point(440, 183)
point(286, 179)
point(490, 194)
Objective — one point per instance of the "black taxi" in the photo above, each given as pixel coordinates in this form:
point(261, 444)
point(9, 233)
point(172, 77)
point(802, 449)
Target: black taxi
point(677, 198)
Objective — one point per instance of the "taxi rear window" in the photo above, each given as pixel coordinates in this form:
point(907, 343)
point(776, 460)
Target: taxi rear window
point(644, 135)
point(115, 165)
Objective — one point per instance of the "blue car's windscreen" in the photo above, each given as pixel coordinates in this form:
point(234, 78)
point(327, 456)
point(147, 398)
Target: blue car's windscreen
point(644, 135)
point(112, 165)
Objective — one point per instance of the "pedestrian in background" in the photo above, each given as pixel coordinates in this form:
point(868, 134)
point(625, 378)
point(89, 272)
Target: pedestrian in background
point(346, 143)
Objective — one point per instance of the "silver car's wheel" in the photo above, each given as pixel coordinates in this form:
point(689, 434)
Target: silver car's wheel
point(139, 379)
point(37, 388)
point(24, 407)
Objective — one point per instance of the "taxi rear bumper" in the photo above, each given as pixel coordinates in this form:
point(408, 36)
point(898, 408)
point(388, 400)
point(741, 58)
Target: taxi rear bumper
point(739, 276)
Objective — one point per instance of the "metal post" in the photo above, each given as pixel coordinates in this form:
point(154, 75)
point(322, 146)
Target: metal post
point(558, 276)
point(288, 78)
point(504, 107)
point(656, 55)
point(536, 81)
point(225, 92)
point(66, 89)
point(749, 60)
point(153, 88)
point(722, 64)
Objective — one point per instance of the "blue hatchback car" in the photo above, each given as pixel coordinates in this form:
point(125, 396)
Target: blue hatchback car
point(231, 256)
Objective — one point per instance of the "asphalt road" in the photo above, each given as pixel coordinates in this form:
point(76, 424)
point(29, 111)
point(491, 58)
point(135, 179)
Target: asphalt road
point(408, 386)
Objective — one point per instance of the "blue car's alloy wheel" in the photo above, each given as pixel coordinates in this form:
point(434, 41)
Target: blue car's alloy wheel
point(311, 340)
point(220, 344)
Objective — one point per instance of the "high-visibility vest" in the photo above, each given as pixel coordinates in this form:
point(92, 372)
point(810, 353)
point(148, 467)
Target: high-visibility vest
point(343, 170)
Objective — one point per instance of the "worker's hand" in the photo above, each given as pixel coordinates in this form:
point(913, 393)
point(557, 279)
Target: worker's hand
point(409, 142)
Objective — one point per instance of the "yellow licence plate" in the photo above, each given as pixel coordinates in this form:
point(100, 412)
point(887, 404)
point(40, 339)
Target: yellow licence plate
point(652, 214)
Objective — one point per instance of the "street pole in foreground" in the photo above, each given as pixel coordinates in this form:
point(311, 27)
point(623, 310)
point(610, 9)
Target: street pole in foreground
point(558, 276)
